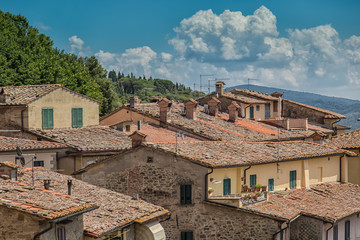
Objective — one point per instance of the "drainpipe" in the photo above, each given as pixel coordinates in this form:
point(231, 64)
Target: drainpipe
point(44, 231)
point(281, 230)
point(340, 180)
point(245, 110)
point(327, 231)
point(332, 127)
point(206, 183)
point(245, 174)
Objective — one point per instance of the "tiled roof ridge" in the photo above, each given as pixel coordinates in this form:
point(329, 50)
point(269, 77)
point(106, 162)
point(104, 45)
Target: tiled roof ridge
point(60, 145)
point(223, 129)
point(255, 93)
point(338, 115)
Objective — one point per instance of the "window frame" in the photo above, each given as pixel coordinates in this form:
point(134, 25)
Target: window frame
point(42, 163)
point(61, 233)
point(225, 190)
point(272, 185)
point(347, 230)
point(252, 177)
point(187, 235)
point(185, 194)
point(292, 182)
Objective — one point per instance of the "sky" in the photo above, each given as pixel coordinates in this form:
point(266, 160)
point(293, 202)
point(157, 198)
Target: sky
point(304, 45)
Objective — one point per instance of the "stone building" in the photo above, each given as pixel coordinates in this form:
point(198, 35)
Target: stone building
point(179, 176)
point(117, 217)
point(44, 107)
point(34, 213)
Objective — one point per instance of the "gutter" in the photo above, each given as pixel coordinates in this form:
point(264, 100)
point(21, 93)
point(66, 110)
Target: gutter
point(56, 220)
point(245, 110)
point(43, 231)
point(206, 184)
point(113, 230)
point(327, 231)
point(287, 226)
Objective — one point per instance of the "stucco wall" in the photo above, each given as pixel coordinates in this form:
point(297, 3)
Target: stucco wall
point(354, 228)
point(62, 101)
point(354, 168)
point(49, 159)
point(74, 229)
point(126, 115)
point(159, 183)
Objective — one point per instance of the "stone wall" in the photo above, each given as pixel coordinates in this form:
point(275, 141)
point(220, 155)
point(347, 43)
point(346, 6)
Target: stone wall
point(18, 225)
point(159, 182)
point(292, 110)
point(306, 228)
point(10, 118)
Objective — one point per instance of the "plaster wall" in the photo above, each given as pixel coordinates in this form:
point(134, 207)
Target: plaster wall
point(126, 115)
point(49, 158)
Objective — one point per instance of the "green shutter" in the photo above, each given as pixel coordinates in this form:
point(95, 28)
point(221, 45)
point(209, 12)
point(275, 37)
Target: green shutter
point(227, 186)
point(251, 112)
point(271, 184)
point(252, 180)
point(293, 179)
point(77, 117)
point(47, 118)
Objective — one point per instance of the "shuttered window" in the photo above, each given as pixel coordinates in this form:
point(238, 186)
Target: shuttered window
point(227, 186)
point(252, 180)
point(61, 233)
point(47, 118)
point(188, 235)
point(293, 179)
point(335, 233)
point(77, 117)
point(185, 194)
point(271, 184)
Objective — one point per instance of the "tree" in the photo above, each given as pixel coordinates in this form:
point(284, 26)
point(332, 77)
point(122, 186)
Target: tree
point(112, 76)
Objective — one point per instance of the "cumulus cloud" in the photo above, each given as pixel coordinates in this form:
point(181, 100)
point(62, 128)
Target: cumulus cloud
point(232, 45)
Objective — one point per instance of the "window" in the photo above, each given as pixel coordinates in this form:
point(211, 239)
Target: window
point(271, 184)
point(77, 117)
point(185, 194)
point(187, 235)
point(257, 108)
point(252, 180)
point(38, 163)
point(293, 179)
point(61, 233)
point(227, 186)
point(335, 232)
point(127, 128)
point(347, 230)
point(47, 118)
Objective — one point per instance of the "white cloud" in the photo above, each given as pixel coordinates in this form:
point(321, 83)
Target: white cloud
point(231, 45)
point(76, 43)
point(42, 26)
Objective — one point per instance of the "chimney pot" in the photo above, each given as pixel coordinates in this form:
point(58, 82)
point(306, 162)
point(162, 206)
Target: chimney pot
point(233, 111)
point(191, 108)
point(69, 183)
point(139, 125)
point(47, 184)
point(213, 106)
point(137, 138)
point(219, 88)
point(164, 105)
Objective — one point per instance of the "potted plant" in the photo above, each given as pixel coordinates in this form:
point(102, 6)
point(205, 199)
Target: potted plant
point(245, 188)
point(257, 187)
point(263, 188)
point(247, 197)
point(210, 191)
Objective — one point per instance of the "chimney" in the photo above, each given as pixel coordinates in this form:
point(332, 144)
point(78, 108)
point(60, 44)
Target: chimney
point(233, 111)
point(219, 88)
point(47, 184)
point(164, 105)
point(4, 96)
point(213, 106)
point(139, 125)
point(191, 108)
point(137, 138)
point(69, 183)
point(134, 101)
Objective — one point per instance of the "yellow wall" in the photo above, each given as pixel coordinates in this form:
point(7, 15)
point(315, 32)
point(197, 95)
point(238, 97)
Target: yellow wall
point(62, 101)
point(354, 168)
point(126, 115)
point(307, 174)
point(258, 115)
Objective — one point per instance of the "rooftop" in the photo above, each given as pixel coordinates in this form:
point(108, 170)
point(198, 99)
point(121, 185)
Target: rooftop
point(23, 95)
point(36, 201)
point(115, 209)
point(10, 144)
point(93, 138)
point(346, 140)
point(329, 201)
point(228, 154)
point(253, 93)
point(236, 97)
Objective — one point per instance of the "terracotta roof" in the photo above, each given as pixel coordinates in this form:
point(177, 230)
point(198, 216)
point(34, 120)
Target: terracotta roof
point(10, 144)
point(9, 164)
point(94, 138)
point(253, 94)
point(23, 95)
point(115, 209)
point(227, 154)
point(329, 201)
point(328, 114)
point(40, 202)
point(346, 140)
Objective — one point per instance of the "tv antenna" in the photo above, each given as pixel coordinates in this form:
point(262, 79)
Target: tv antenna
point(216, 79)
point(204, 75)
point(251, 79)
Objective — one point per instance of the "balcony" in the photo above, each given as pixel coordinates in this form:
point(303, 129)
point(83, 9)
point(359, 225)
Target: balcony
point(240, 200)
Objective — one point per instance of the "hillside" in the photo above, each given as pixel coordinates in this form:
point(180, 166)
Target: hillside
point(348, 107)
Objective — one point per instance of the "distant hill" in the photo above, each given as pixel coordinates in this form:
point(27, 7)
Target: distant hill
point(348, 107)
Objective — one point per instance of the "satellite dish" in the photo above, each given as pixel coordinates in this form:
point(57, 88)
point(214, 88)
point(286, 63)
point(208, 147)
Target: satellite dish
point(19, 151)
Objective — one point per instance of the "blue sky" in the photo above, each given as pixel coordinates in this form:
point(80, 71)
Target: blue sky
point(301, 45)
